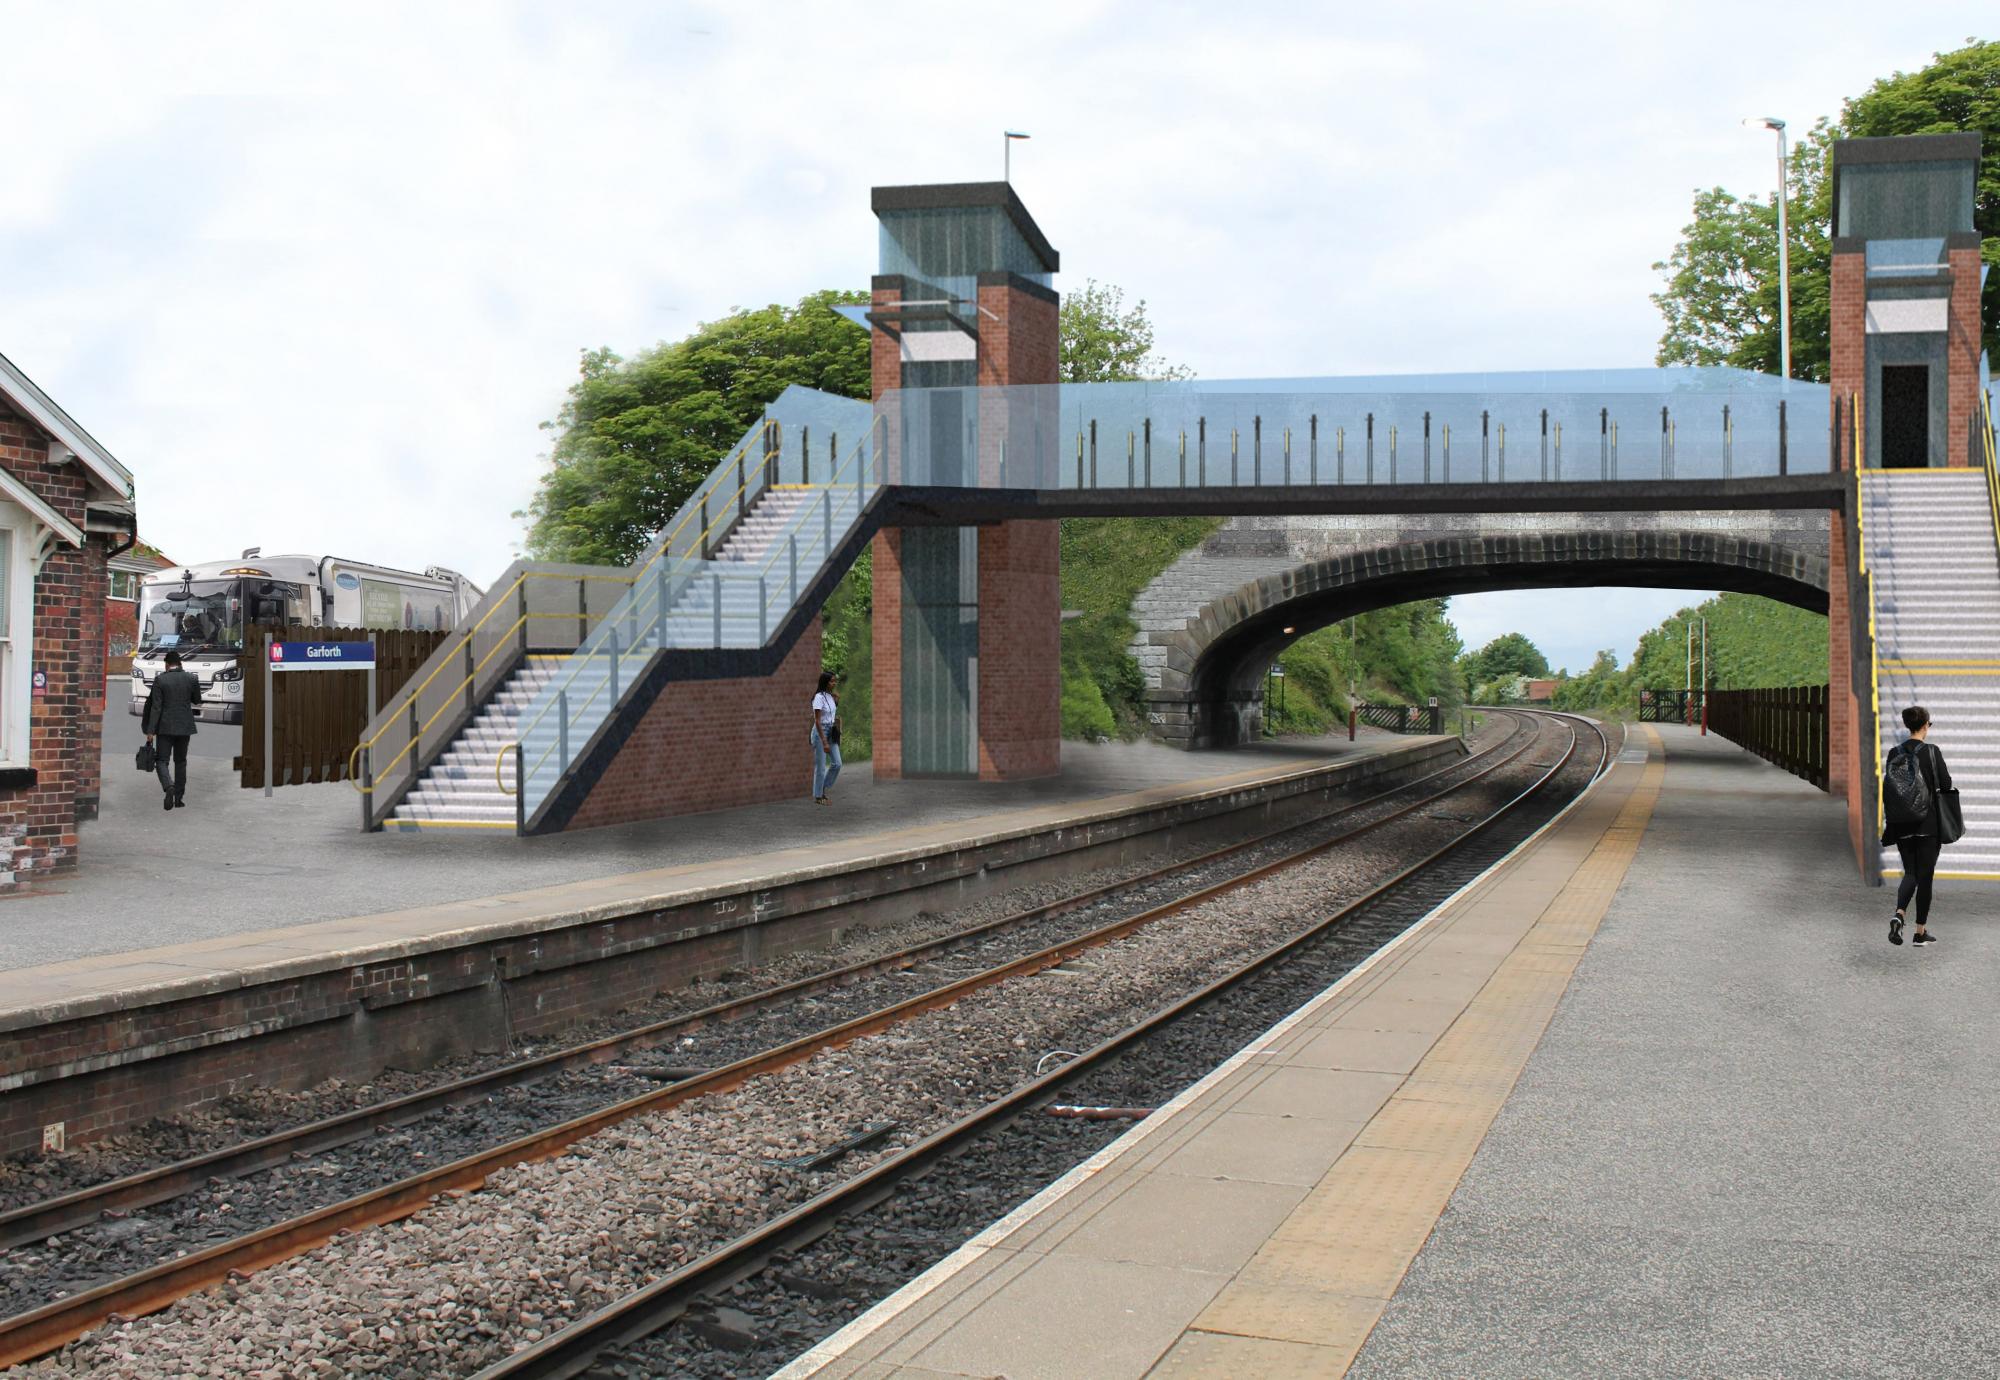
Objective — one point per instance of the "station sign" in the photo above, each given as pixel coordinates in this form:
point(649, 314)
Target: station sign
point(322, 656)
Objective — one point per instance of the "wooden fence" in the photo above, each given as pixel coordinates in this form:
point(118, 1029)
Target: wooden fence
point(320, 714)
point(1787, 728)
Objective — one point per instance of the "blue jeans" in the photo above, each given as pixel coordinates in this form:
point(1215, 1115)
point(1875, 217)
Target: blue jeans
point(826, 766)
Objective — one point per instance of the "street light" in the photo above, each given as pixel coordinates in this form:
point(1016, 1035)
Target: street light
point(1007, 154)
point(1777, 126)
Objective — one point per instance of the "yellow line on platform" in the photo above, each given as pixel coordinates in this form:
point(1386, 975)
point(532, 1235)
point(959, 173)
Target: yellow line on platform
point(1307, 1301)
point(1960, 470)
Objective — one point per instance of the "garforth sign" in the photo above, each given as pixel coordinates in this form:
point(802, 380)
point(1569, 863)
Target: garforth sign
point(312, 656)
point(322, 656)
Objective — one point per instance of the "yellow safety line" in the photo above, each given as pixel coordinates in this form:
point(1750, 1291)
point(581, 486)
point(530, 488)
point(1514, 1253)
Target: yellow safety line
point(1961, 471)
point(449, 824)
point(1319, 1285)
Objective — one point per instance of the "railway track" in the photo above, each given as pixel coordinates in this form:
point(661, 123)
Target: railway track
point(33, 1333)
point(596, 1344)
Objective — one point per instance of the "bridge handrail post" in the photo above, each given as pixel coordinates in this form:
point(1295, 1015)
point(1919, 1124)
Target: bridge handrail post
point(1392, 453)
point(1183, 457)
point(1603, 443)
point(1093, 452)
point(1257, 451)
point(1340, 455)
point(1559, 452)
point(1729, 442)
point(1485, 474)
point(1371, 447)
point(1545, 444)
point(1447, 455)
point(1079, 460)
point(1503, 452)
point(1149, 452)
point(1666, 456)
point(1131, 462)
point(1312, 445)
point(1235, 459)
point(1427, 447)
point(1288, 457)
point(1783, 457)
point(1201, 451)
point(805, 456)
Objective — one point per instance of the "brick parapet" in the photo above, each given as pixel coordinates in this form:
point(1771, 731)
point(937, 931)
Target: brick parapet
point(1962, 343)
point(1020, 650)
point(713, 745)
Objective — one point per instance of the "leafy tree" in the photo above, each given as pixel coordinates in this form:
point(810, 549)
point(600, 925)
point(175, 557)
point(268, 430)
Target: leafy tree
point(1506, 656)
point(1720, 301)
point(635, 437)
point(1721, 298)
point(1103, 342)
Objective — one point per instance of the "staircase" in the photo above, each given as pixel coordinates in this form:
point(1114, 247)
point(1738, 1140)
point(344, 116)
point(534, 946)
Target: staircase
point(464, 788)
point(1929, 538)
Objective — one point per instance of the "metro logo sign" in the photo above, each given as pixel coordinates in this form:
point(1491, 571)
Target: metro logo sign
point(322, 656)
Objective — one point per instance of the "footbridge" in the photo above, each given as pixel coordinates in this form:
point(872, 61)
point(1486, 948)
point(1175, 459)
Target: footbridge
point(579, 696)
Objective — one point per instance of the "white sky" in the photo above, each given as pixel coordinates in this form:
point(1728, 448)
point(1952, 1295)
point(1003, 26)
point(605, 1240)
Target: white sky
point(315, 273)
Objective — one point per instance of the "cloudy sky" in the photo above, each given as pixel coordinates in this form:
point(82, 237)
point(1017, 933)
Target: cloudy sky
point(317, 272)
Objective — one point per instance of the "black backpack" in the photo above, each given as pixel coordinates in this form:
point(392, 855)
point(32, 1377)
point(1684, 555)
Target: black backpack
point(1906, 788)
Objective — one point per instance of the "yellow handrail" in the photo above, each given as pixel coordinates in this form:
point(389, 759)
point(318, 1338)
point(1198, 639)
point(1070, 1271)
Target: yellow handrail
point(501, 758)
point(522, 770)
point(500, 603)
point(1992, 466)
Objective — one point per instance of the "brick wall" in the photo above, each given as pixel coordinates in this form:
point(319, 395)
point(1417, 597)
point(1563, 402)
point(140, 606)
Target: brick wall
point(713, 745)
point(1962, 356)
point(1848, 365)
point(1848, 375)
point(38, 823)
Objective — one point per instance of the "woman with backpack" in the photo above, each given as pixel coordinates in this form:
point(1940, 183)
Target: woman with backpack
point(1920, 815)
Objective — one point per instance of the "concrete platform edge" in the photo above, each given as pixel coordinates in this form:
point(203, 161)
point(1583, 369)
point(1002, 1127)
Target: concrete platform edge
point(885, 1313)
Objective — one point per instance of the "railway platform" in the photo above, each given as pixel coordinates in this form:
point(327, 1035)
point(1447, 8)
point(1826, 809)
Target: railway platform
point(93, 1043)
point(1654, 1096)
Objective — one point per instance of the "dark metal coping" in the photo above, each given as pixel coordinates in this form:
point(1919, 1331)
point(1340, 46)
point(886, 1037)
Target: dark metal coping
point(1957, 239)
point(1901, 148)
point(951, 196)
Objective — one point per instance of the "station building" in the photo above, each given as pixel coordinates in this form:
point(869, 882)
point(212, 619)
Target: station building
point(66, 511)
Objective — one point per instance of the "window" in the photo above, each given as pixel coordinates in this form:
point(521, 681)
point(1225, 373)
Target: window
point(125, 585)
point(18, 530)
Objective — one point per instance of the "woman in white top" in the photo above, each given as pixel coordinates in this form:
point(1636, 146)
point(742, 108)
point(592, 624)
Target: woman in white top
point(825, 740)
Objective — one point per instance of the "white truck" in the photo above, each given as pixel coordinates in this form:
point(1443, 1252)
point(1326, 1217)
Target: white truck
point(202, 610)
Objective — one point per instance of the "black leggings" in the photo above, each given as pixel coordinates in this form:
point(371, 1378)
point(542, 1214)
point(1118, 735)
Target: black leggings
point(1920, 859)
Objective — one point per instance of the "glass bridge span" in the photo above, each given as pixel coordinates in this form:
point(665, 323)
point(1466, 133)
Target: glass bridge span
point(1595, 425)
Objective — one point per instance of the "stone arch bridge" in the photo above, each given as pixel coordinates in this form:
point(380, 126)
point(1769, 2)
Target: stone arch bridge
point(1210, 625)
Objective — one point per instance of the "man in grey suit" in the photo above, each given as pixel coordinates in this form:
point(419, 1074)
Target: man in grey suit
point(170, 716)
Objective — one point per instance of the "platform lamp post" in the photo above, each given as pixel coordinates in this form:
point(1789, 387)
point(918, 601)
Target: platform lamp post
point(1704, 676)
point(1777, 127)
point(1007, 154)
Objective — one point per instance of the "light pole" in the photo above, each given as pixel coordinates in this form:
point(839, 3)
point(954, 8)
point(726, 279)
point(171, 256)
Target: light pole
point(1777, 126)
point(1007, 154)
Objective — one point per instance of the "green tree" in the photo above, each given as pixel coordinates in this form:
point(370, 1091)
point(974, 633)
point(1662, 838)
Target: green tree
point(1721, 297)
point(1508, 655)
point(636, 436)
point(1104, 342)
point(1720, 301)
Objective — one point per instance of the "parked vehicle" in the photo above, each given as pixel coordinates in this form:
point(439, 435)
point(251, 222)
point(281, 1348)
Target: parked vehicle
point(201, 611)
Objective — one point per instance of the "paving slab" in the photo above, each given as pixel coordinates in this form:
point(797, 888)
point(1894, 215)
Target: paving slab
point(1755, 1140)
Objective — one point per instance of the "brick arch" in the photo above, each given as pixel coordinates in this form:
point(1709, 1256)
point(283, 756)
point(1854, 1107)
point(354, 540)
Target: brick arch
point(1210, 691)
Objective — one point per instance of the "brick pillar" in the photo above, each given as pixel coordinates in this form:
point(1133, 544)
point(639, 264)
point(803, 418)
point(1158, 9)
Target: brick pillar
point(1962, 355)
point(1020, 590)
point(1848, 375)
point(886, 638)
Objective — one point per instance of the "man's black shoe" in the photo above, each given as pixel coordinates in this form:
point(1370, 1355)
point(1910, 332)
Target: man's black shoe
point(179, 804)
point(1896, 929)
point(166, 802)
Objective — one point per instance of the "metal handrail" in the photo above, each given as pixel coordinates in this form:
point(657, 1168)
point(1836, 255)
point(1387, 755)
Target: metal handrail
point(1992, 469)
point(499, 601)
point(498, 760)
point(661, 609)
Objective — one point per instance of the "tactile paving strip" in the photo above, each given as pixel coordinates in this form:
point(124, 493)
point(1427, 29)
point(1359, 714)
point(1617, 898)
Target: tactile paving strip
point(1308, 1299)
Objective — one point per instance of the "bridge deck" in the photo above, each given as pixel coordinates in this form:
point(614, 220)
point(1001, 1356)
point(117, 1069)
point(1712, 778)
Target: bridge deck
point(1748, 1142)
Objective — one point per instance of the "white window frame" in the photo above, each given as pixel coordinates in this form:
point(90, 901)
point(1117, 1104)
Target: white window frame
point(132, 576)
point(17, 646)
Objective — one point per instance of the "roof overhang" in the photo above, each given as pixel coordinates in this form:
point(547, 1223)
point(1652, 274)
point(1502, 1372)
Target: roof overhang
point(39, 408)
point(951, 196)
point(14, 489)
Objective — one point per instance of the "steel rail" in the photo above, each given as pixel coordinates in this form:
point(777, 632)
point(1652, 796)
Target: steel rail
point(574, 1349)
point(38, 1221)
point(28, 1335)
